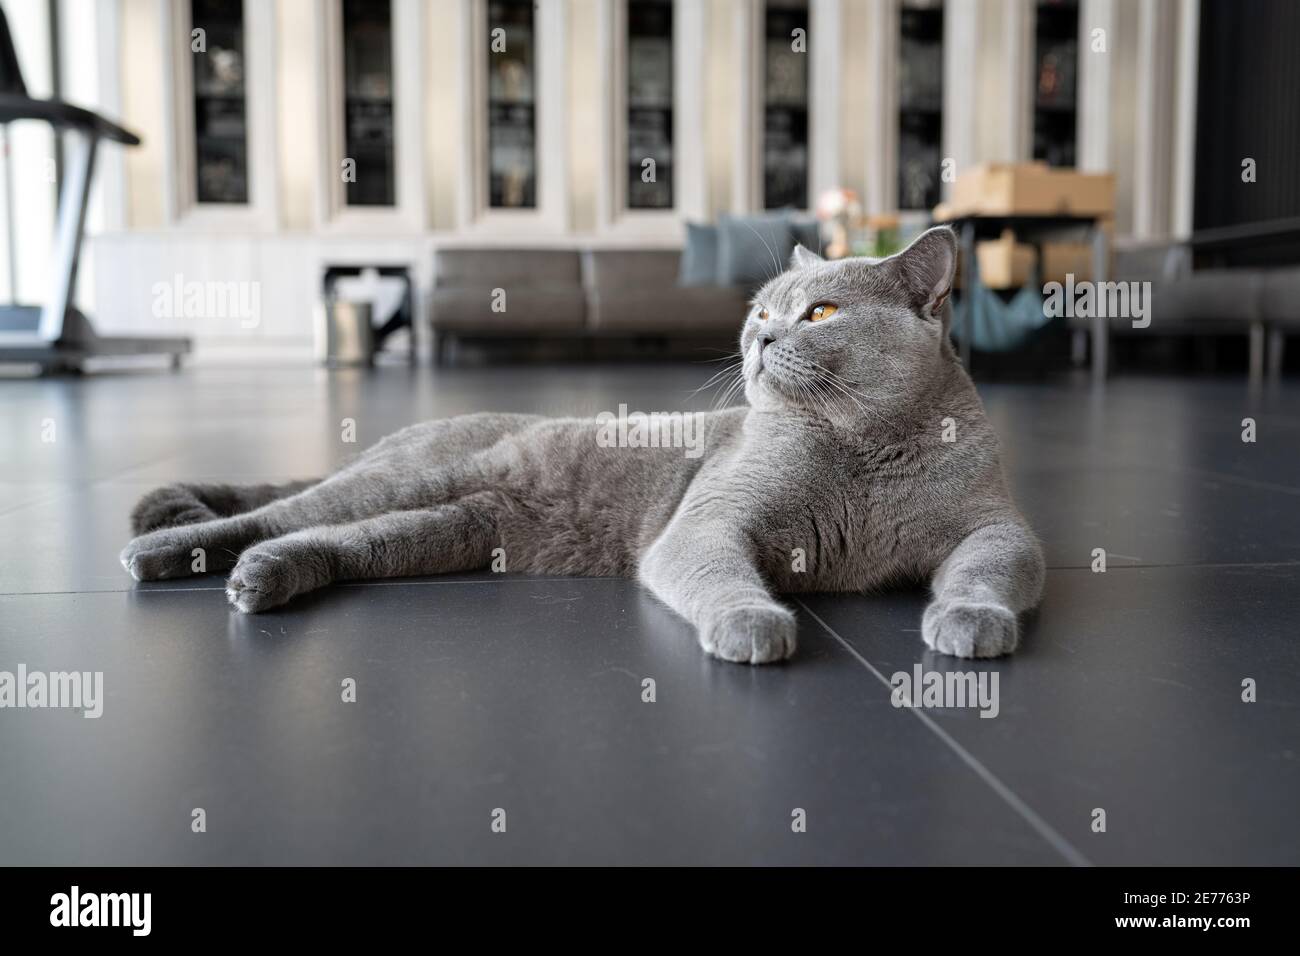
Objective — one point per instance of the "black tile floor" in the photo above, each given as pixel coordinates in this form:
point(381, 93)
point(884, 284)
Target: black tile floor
point(479, 692)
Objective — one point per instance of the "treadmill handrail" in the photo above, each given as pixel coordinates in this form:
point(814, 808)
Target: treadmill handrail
point(59, 113)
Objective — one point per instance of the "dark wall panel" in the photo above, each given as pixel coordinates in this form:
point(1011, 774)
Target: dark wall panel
point(1248, 105)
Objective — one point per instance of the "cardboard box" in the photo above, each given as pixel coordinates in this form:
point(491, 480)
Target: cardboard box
point(1062, 258)
point(1005, 263)
point(1030, 189)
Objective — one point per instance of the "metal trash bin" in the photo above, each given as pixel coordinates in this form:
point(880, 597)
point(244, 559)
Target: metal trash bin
point(343, 333)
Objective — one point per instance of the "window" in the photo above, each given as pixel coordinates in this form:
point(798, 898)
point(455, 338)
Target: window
point(650, 104)
point(1056, 61)
point(512, 107)
point(220, 107)
point(920, 103)
point(785, 104)
point(368, 101)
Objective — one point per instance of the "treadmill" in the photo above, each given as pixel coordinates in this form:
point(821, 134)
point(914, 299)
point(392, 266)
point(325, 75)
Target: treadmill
point(56, 335)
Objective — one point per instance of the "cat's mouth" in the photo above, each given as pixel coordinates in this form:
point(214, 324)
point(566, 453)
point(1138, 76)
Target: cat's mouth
point(771, 372)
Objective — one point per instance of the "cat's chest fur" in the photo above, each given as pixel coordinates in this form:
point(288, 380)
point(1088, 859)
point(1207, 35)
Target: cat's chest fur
point(830, 511)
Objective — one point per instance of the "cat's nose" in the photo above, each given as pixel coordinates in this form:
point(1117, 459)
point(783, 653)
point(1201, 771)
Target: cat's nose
point(763, 338)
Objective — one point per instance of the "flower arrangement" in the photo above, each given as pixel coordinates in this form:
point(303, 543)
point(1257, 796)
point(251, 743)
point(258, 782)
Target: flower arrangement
point(850, 232)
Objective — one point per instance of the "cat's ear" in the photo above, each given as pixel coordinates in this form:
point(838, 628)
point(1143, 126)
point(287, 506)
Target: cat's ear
point(926, 268)
point(802, 258)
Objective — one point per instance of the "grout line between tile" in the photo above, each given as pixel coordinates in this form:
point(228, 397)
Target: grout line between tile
point(341, 584)
point(1210, 565)
point(1026, 812)
point(512, 580)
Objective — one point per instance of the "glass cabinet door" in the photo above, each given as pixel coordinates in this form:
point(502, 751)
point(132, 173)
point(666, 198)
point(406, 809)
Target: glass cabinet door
point(1056, 63)
point(785, 104)
point(920, 103)
point(649, 104)
point(368, 101)
point(220, 104)
point(512, 105)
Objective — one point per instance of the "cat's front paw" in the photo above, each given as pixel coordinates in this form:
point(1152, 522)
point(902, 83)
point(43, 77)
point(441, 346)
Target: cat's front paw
point(168, 553)
point(265, 576)
point(965, 629)
point(751, 635)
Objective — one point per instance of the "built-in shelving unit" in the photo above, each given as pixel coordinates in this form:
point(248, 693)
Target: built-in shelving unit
point(1055, 81)
point(649, 104)
point(220, 101)
point(920, 102)
point(511, 105)
point(785, 162)
point(368, 119)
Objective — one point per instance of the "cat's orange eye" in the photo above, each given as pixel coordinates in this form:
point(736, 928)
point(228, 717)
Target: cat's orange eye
point(762, 314)
point(823, 311)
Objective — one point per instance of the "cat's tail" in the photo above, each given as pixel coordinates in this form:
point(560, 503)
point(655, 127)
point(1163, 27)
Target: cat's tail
point(188, 503)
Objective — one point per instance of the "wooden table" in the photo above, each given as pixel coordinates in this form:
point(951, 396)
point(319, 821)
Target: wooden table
point(1033, 230)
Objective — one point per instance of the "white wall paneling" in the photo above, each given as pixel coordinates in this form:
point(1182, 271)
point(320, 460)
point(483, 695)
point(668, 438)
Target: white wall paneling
point(825, 72)
point(1016, 118)
point(286, 269)
point(1096, 80)
point(1153, 159)
point(882, 110)
point(1189, 36)
point(961, 45)
point(747, 118)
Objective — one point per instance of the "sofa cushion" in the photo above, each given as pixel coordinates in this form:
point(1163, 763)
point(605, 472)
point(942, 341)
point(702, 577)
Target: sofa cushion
point(499, 268)
point(1209, 296)
point(753, 249)
point(529, 309)
point(1210, 301)
point(616, 269)
point(807, 233)
point(699, 261)
point(716, 311)
point(1150, 260)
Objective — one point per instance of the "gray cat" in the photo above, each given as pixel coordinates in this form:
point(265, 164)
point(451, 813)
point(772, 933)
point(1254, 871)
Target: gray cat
point(863, 459)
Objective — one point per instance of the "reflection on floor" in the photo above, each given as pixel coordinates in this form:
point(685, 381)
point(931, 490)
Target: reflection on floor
point(484, 693)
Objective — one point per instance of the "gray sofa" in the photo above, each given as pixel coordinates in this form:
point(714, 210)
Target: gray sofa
point(543, 293)
point(1258, 303)
point(1279, 306)
point(574, 293)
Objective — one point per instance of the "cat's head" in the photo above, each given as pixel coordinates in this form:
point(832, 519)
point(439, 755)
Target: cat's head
point(846, 334)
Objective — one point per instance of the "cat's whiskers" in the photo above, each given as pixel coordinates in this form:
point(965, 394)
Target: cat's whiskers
point(835, 392)
point(770, 251)
point(808, 390)
point(836, 381)
point(822, 398)
point(872, 399)
point(839, 380)
point(717, 376)
point(863, 401)
point(730, 391)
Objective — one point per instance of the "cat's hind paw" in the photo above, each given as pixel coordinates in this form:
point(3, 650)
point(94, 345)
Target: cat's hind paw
point(969, 629)
point(751, 635)
point(168, 507)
